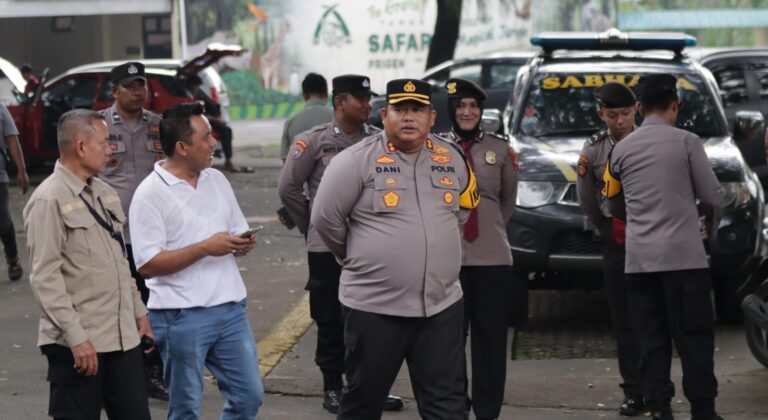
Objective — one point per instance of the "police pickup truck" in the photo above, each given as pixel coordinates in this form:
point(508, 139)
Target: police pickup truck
point(552, 112)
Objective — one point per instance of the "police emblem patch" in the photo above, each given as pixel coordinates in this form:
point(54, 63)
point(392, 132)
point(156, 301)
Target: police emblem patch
point(439, 149)
point(298, 149)
point(366, 83)
point(391, 147)
point(385, 160)
point(391, 181)
point(441, 158)
point(490, 157)
point(448, 197)
point(391, 199)
point(446, 181)
point(451, 88)
point(583, 162)
point(132, 69)
point(430, 146)
point(409, 87)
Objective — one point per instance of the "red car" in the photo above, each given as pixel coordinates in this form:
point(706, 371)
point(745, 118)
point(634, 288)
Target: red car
point(89, 87)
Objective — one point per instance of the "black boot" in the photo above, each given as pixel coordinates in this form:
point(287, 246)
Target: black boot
point(632, 406)
point(331, 400)
point(153, 367)
point(393, 403)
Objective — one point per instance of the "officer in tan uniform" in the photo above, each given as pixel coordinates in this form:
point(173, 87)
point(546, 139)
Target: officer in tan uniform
point(307, 160)
point(486, 266)
point(660, 180)
point(92, 314)
point(616, 107)
point(390, 209)
point(134, 138)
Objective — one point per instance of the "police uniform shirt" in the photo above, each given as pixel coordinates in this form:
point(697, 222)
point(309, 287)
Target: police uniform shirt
point(315, 112)
point(591, 168)
point(135, 149)
point(310, 154)
point(662, 170)
point(80, 275)
point(495, 166)
point(395, 225)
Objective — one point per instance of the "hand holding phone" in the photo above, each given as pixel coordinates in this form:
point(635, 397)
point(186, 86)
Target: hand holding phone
point(250, 232)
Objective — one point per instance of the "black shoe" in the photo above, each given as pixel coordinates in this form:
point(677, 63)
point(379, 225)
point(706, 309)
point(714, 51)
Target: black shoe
point(331, 400)
point(156, 383)
point(393, 403)
point(632, 406)
point(14, 269)
point(662, 415)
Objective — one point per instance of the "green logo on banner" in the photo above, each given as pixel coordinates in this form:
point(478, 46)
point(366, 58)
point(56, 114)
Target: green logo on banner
point(331, 29)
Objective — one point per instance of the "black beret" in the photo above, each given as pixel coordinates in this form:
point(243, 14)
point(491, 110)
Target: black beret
point(399, 90)
point(658, 85)
point(615, 95)
point(128, 72)
point(352, 83)
point(460, 88)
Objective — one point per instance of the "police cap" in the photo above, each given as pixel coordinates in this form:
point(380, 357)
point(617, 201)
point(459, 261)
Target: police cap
point(400, 90)
point(127, 73)
point(352, 83)
point(661, 86)
point(615, 95)
point(460, 88)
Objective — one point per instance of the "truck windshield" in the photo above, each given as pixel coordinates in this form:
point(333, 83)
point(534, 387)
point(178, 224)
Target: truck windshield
point(563, 104)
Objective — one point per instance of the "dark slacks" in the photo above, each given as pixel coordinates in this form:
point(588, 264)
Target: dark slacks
point(675, 306)
point(225, 136)
point(376, 347)
point(7, 231)
point(486, 292)
point(325, 309)
point(627, 346)
point(118, 386)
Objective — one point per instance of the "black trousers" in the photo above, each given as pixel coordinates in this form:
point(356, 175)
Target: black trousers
point(225, 136)
point(486, 292)
point(675, 306)
point(325, 309)
point(7, 231)
point(376, 347)
point(118, 386)
point(627, 346)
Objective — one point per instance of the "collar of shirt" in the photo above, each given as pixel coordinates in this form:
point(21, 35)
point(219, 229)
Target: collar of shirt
point(314, 102)
point(118, 119)
point(338, 131)
point(654, 120)
point(455, 137)
point(75, 184)
point(171, 179)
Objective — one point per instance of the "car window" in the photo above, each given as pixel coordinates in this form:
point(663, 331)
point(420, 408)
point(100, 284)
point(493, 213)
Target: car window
point(75, 92)
point(730, 79)
point(563, 104)
point(174, 86)
point(503, 75)
point(105, 92)
point(760, 69)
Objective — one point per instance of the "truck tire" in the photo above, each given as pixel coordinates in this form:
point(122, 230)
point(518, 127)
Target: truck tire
point(757, 337)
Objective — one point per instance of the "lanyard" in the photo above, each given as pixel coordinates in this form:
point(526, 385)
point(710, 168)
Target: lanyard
point(114, 233)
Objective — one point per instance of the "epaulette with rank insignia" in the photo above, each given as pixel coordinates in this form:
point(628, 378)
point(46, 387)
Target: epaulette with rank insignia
point(598, 137)
point(496, 136)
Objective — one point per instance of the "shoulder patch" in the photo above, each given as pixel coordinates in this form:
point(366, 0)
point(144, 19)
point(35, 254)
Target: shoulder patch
point(583, 162)
point(299, 146)
point(598, 137)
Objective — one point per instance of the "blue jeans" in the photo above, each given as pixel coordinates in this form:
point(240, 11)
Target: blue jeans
point(218, 338)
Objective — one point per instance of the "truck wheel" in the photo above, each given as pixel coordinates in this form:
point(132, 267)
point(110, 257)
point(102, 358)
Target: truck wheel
point(727, 303)
point(757, 337)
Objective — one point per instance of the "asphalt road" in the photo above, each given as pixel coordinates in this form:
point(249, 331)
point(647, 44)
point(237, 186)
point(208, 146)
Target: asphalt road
point(275, 272)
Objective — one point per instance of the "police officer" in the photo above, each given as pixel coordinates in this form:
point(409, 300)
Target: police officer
point(660, 172)
point(616, 107)
point(315, 111)
point(310, 154)
point(486, 266)
point(390, 209)
point(134, 138)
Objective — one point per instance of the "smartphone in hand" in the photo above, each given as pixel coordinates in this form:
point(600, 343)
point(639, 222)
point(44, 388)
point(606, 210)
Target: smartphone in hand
point(250, 232)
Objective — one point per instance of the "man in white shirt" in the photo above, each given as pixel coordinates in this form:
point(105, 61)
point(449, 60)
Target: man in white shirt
point(185, 222)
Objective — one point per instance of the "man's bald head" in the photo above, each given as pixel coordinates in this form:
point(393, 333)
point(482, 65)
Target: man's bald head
point(74, 124)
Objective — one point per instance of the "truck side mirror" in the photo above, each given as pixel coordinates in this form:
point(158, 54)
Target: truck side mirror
point(491, 121)
point(749, 125)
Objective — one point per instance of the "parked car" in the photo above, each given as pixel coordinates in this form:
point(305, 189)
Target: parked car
point(552, 112)
point(89, 87)
point(496, 73)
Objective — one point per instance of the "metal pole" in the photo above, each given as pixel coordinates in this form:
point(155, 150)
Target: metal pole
point(183, 27)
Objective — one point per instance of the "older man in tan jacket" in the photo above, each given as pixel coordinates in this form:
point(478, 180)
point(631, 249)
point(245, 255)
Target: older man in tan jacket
point(93, 316)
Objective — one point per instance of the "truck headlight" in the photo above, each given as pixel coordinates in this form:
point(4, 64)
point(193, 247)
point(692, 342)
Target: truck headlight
point(734, 194)
point(538, 193)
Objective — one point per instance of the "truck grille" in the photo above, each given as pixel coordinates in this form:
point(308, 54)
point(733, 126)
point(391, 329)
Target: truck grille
point(570, 197)
point(576, 243)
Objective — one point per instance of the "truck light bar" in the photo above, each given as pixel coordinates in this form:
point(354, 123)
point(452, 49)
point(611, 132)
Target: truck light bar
point(613, 39)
